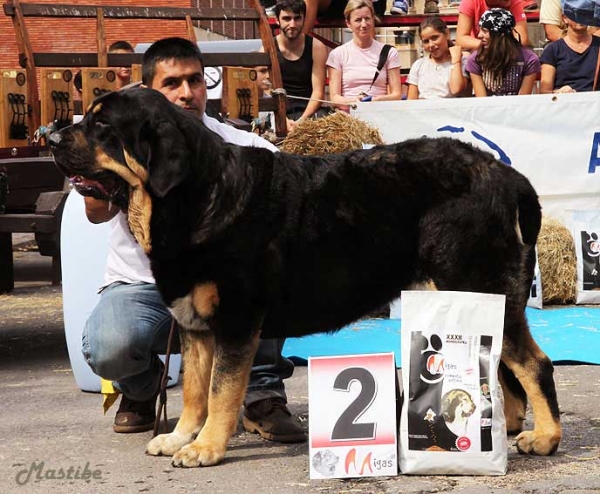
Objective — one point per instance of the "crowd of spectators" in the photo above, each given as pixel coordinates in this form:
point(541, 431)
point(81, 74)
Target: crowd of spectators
point(491, 54)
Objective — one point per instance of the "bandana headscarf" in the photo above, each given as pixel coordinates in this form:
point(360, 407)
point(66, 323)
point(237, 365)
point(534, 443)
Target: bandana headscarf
point(498, 21)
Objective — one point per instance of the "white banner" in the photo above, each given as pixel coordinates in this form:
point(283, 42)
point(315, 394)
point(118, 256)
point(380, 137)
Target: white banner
point(553, 139)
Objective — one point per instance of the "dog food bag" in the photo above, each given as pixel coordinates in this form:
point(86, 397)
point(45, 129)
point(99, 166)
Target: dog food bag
point(585, 228)
point(452, 418)
point(536, 300)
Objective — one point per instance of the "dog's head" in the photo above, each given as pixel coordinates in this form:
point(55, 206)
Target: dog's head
point(457, 403)
point(128, 149)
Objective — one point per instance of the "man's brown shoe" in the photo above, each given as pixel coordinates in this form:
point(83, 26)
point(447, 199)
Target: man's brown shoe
point(273, 421)
point(135, 416)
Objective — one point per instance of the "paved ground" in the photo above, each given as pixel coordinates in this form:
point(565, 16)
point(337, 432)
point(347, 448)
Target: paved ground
point(47, 423)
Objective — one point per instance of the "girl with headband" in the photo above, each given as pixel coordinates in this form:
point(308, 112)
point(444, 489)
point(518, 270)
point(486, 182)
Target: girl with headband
point(501, 66)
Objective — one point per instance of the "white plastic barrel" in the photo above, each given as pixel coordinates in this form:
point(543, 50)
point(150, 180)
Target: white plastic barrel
point(84, 250)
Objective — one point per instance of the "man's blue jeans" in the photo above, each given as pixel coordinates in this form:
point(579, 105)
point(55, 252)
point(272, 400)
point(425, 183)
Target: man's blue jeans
point(130, 326)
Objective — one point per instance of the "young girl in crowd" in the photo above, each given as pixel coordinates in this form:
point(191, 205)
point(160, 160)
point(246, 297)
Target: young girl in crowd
point(441, 72)
point(352, 66)
point(501, 66)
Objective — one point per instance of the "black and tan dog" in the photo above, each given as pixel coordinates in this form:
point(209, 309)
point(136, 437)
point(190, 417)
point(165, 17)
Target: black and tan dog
point(244, 242)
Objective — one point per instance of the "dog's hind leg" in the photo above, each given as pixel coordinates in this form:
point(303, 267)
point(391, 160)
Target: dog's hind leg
point(534, 370)
point(197, 352)
point(230, 374)
point(515, 400)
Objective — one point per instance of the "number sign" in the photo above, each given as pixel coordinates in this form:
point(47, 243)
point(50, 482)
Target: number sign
point(352, 416)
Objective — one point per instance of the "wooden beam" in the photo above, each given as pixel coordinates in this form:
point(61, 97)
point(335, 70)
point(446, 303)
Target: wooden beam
point(190, 29)
point(269, 48)
point(27, 223)
point(113, 12)
point(126, 59)
point(101, 38)
point(24, 44)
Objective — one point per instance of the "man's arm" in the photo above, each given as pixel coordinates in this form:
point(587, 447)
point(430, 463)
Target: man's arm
point(551, 19)
point(312, 9)
point(99, 211)
point(318, 76)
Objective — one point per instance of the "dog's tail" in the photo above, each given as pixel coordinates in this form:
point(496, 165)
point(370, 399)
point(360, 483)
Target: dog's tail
point(529, 211)
point(529, 222)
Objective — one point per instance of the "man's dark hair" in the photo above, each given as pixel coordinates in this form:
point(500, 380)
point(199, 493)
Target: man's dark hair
point(293, 6)
point(168, 49)
point(121, 45)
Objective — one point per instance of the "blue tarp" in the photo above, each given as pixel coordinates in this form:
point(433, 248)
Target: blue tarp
point(565, 334)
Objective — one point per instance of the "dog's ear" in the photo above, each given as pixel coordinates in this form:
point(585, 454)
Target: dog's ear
point(168, 160)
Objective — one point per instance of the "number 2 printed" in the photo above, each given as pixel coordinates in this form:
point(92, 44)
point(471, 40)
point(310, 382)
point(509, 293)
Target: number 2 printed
point(346, 428)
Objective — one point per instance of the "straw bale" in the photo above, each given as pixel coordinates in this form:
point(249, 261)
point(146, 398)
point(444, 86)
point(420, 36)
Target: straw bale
point(335, 133)
point(558, 263)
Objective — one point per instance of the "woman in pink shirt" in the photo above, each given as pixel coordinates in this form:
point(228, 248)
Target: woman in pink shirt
point(352, 66)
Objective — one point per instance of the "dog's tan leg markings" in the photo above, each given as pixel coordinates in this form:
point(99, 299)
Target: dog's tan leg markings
point(514, 406)
point(140, 204)
point(198, 350)
point(514, 412)
point(534, 372)
point(205, 298)
point(231, 369)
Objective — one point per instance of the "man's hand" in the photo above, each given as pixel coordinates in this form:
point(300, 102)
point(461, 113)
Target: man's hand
point(290, 124)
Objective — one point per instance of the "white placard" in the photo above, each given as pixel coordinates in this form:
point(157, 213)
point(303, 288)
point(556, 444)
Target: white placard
point(553, 139)
point(352, 416)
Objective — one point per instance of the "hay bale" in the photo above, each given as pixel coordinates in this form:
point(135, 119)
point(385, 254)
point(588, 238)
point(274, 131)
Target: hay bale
point(558, 263)
point(334, 133)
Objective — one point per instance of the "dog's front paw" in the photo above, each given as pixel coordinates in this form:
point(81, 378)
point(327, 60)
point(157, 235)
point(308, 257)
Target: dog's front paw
point(537, 443)
point(167, 444)
point(197, 454)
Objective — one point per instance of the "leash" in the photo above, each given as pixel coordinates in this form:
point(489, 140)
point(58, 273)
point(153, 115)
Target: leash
point(162, 402)
point(284, 92)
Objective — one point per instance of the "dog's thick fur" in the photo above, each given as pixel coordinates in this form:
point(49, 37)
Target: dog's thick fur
point(244, 242)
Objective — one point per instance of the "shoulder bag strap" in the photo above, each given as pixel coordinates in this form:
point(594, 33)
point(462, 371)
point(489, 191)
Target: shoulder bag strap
point(382, 59)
